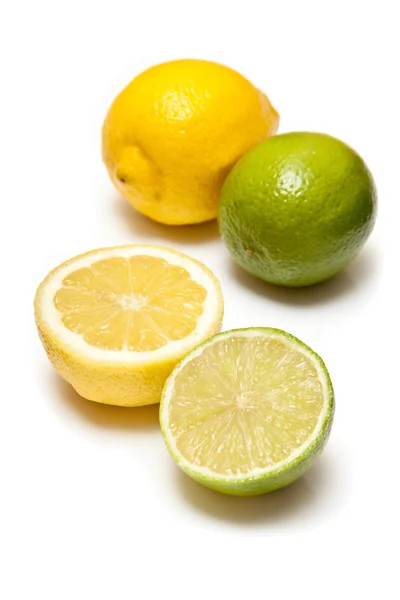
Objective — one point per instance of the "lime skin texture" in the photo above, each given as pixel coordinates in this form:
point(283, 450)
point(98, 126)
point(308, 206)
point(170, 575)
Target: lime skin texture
point(297, 208)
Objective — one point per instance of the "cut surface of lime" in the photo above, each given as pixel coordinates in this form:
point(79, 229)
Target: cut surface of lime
point(247, 411)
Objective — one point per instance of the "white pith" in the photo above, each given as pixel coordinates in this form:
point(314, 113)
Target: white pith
point(52, 318)
point(255, 472)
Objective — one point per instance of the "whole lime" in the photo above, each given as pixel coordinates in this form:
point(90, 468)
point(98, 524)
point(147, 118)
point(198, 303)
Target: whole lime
point(297, 208)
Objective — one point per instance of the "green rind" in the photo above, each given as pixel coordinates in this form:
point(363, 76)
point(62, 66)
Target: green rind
point(297, 208)
point(273, 480)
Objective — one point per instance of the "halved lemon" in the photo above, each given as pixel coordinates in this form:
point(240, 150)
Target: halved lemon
point(247, 411)
point(115, 321)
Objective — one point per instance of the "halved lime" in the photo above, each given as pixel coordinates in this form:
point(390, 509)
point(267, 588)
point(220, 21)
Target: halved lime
point(247, 411)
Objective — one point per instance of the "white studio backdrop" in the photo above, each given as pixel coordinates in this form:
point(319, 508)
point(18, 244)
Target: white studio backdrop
point(92, 506)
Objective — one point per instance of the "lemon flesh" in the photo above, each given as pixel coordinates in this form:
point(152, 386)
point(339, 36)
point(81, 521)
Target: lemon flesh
point(247, 411)
point(115, 321)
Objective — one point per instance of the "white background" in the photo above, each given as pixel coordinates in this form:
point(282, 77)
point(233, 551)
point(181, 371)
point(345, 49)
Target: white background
point(92, 506)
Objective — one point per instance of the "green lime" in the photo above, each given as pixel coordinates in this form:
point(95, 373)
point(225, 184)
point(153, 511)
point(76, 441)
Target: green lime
point(297, 208)
point(248, 411)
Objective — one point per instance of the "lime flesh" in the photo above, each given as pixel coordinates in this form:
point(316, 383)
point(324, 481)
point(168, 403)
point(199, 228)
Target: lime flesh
point(247, 411)
point(297, 208)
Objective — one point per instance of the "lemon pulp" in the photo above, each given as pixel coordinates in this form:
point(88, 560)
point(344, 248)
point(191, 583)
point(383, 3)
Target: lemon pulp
point(139, 303)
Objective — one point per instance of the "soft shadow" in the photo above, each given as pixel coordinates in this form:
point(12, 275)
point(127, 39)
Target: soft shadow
point(304, 498)
point(361, 272)
point(143, 227)
point(102, 415)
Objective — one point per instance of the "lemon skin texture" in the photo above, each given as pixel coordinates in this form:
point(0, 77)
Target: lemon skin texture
point(173, 134)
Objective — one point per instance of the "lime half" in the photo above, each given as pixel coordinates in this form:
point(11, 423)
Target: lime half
point(247, 411)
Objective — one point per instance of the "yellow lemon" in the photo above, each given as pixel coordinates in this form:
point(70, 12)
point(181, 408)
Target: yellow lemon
point(114, 322)
point(172, 135)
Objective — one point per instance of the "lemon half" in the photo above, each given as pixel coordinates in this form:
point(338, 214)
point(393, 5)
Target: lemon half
point(115, 321)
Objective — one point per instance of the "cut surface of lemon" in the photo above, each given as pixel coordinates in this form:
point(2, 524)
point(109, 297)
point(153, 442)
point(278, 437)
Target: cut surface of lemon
point(115, 321)
point(247, 411)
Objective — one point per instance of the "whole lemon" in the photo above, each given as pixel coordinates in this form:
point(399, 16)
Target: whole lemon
point(297, 208)
point(173, 134)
